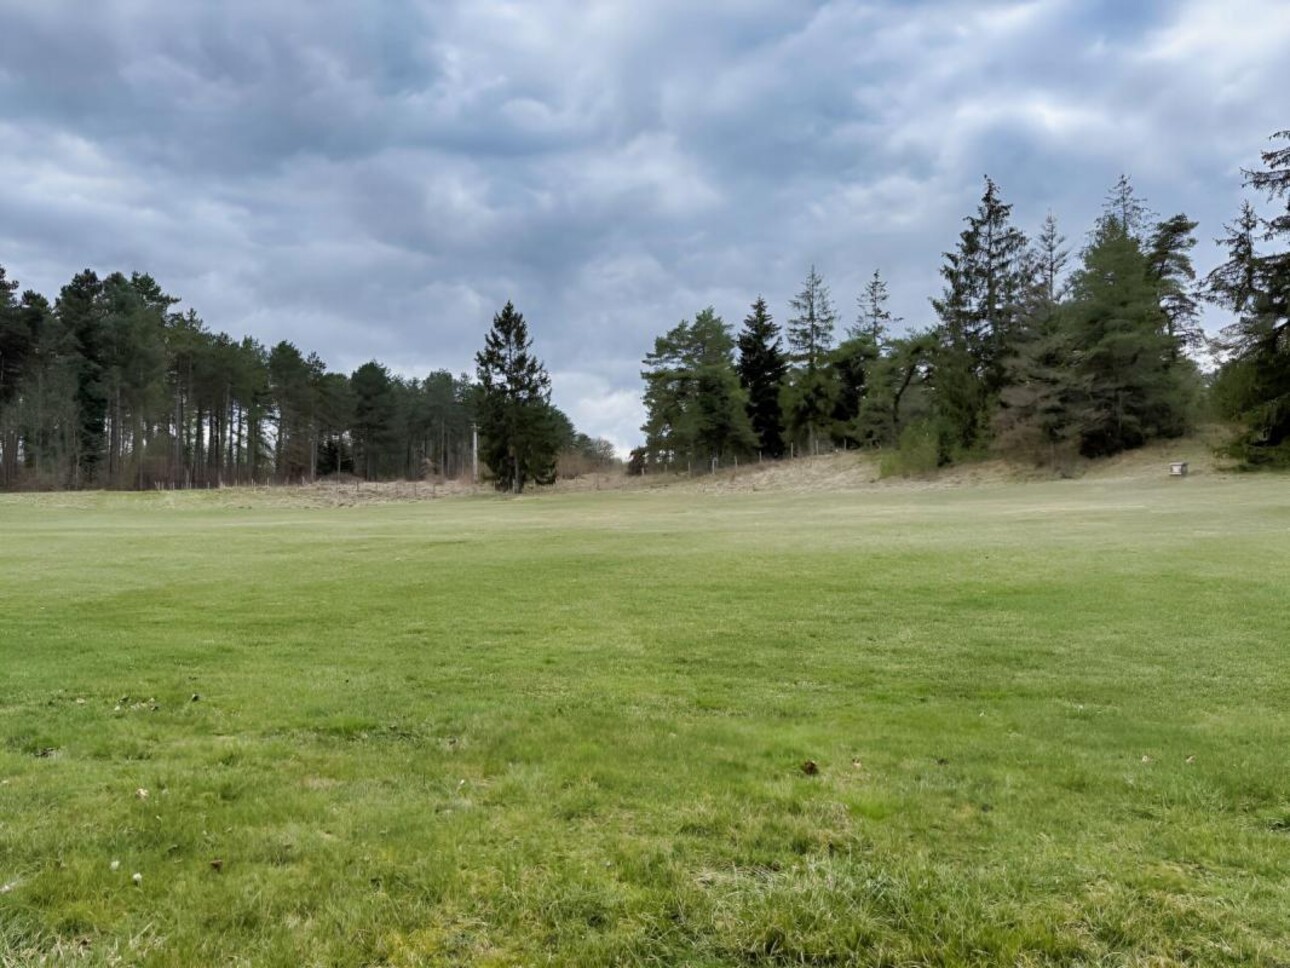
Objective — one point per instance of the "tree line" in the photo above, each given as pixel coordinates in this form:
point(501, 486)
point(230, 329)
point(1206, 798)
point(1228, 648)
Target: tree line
point(110, 386)
point(1035, 352)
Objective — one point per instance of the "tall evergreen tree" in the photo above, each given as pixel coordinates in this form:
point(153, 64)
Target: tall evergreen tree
point(762, 367)
point(1035, 415)
point(1254, 382)
point(809, 394)
point(518, 433)
point(376, 432)
point(17, 342)
point(696, 410)
point(1129, 391)
point(985, 282)
point(81, 311)
point(1047, 262)
point(1124, 205)
point(1169, 266)
point(874, 319)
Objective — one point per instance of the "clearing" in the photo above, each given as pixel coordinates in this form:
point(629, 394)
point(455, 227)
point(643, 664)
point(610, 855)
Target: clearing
point(1046, 724)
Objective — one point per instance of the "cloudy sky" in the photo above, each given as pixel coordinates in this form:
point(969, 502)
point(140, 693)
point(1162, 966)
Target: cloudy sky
point(376, 179)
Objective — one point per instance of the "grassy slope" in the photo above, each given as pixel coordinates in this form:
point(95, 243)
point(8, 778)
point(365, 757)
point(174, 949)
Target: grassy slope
point(1050, 722)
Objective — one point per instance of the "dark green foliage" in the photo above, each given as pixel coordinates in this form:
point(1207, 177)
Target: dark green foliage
point(762, 367)
point(1169, 266)
point(696, 410)
point(1253, 387)
point(291, 380)
point(808, 394)
point(897, 374)
point(80, 309)
point(17, 340)
point(17, 344)
point(850, 365)
point(1128, 390)
point(442, 422)
point(917, 451)
point(986, 278)
point(378, 422)
point(112, 387)
point(1035, 418)
point(520, 434)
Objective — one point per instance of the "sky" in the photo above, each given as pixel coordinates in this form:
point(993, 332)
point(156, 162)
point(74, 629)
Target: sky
point(375, 180)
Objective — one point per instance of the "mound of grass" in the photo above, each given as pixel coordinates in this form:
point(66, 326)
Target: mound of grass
point(1047, 726)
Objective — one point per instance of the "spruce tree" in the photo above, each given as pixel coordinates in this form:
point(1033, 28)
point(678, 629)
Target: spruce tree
point(1035, 418)
point(1046, 263)
point(517, 429)
point(762, 367)
point(81, 311)
point(696, 410)
point(809, 393)
point(985, 282)
point(376, 433)
point(874, 319)
point(1128, 390)
point(1169, 266)
point(1123, 204)
point(1254, 383)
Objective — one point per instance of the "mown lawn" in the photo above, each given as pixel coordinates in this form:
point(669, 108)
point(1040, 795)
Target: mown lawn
point(1049, 725)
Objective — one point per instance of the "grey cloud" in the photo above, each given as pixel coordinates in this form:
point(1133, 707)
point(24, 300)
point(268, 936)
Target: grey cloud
point(376, 181)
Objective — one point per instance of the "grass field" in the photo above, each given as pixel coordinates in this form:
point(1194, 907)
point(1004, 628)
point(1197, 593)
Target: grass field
point(1049, 724)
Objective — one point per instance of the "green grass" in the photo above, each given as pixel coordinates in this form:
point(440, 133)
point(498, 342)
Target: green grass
point(1050, 723)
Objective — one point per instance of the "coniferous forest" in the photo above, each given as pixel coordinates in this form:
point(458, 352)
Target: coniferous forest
point(1041, 349)
point(109, 387)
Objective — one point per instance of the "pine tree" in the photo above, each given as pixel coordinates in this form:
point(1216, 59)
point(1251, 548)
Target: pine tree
point(809, 394)
point(81, 311)
point(1128, 391)
point(1047, 262)
point(1169, 266)
point(874, 319)
point(1254, 383)
point(1123, 204)
point(518, 434)
point(850, 366)
point(979, 310)
point(762, 367)
point(696, 410)
point(376, 432)
point(1035, 416)
point(17, 342)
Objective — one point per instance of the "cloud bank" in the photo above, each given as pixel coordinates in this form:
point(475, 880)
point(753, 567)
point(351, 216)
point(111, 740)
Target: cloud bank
point(377, 180)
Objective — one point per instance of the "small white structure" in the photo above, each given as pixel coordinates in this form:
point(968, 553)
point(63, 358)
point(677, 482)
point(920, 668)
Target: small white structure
point(1178, 469)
